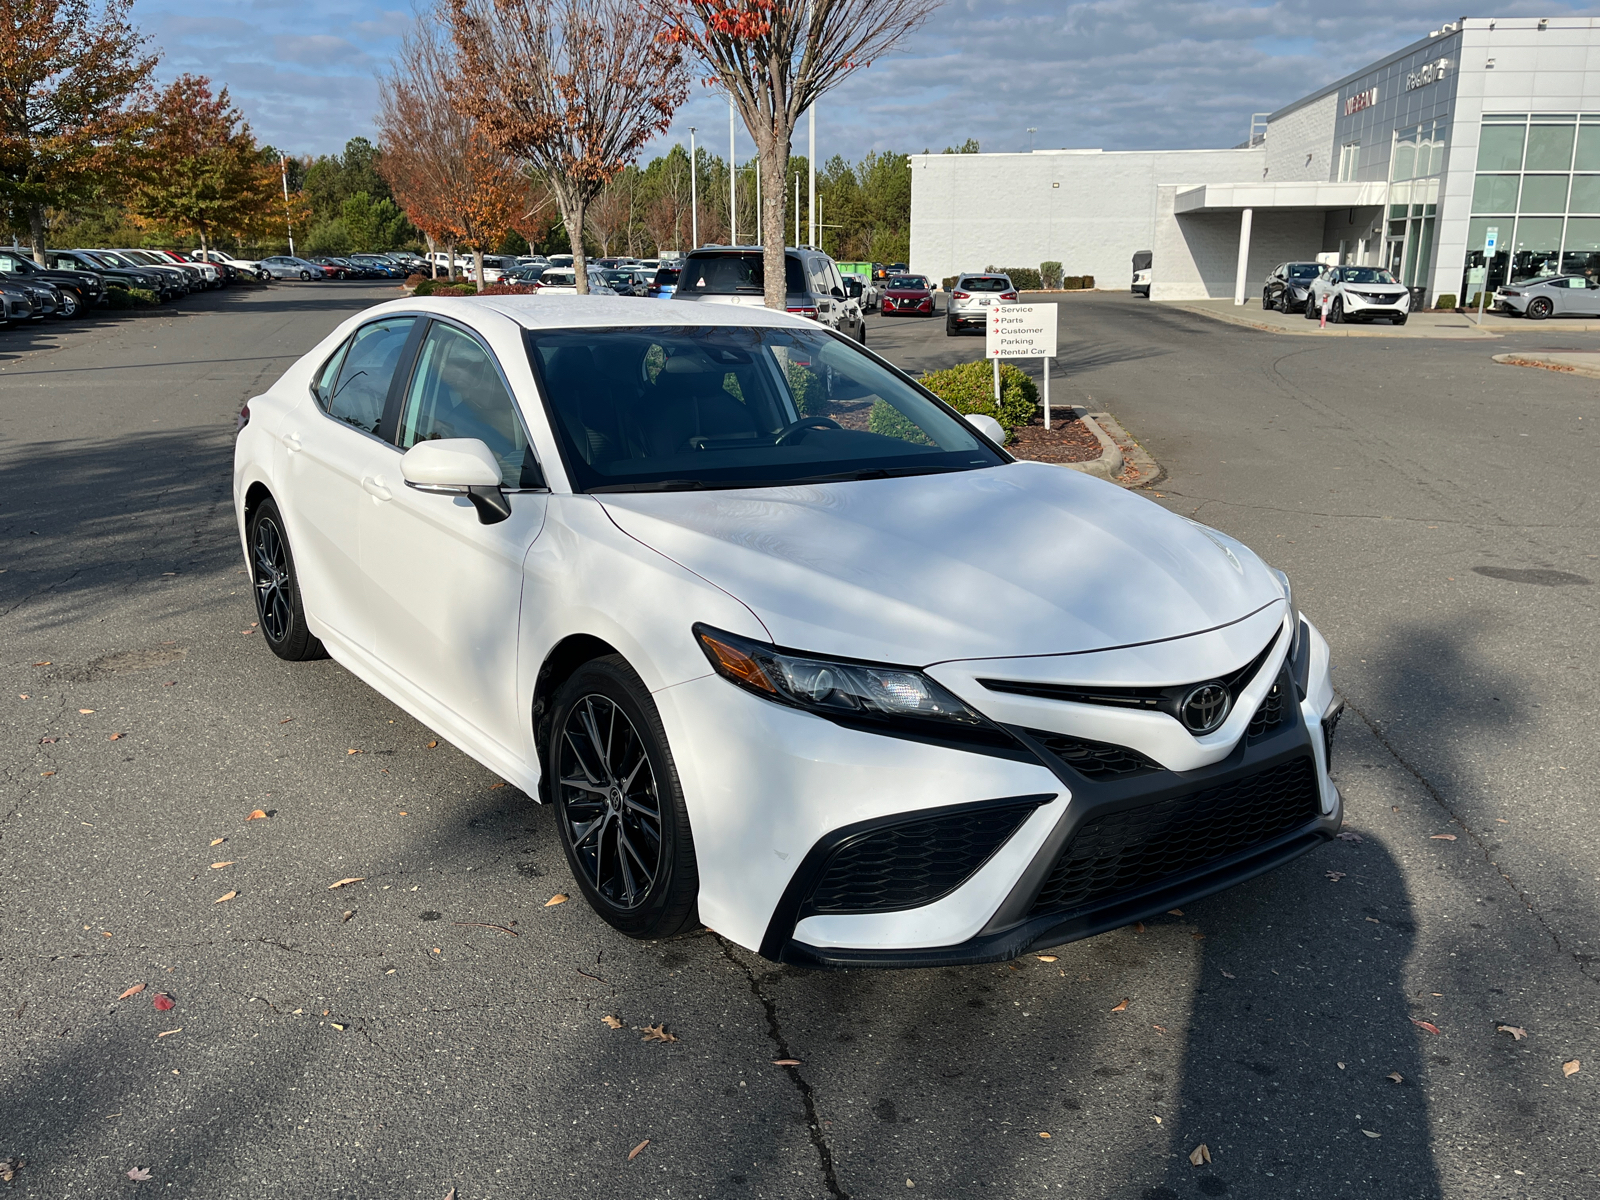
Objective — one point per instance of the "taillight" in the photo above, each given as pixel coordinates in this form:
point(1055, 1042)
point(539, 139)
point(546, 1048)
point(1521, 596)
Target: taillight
point(1008, 295)
point(961, 295)
point(805, 312)
point(244, 419)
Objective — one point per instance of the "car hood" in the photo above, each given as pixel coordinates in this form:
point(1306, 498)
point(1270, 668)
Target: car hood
point(1025, 559)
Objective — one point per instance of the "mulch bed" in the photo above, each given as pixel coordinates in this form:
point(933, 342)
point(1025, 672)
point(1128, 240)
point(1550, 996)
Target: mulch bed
point(1065, 441)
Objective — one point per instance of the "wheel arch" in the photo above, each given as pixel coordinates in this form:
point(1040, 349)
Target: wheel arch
point(254, 496)
point(564, 658)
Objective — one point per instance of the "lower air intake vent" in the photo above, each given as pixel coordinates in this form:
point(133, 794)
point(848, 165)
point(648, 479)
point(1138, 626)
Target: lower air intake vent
point(1095, 760)
point(1137, 847)
point(903, 866)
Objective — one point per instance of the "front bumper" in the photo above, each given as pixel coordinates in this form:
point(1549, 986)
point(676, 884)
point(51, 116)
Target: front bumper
point(1359, 306)
point(830, 846)
point(907, 305)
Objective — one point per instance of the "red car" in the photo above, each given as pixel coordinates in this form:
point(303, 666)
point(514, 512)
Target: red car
point(907, 294)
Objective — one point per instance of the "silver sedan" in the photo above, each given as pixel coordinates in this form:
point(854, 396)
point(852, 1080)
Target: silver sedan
point(1558, 295)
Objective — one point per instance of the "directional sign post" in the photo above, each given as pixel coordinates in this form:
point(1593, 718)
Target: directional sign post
point(1022, 331)
point(1491, 238)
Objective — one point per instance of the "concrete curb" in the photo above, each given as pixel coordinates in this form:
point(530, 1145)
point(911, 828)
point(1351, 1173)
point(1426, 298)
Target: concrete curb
point(1109, 465)
point(1314, 330)
point(1562, 364)
point(1133, 454)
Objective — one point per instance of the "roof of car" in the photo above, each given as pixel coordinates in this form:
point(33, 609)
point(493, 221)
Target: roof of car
point(599, 312)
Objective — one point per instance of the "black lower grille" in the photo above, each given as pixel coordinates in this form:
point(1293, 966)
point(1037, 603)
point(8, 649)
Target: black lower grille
point(1095, 760)
point(903, 866)
point(1131, 849)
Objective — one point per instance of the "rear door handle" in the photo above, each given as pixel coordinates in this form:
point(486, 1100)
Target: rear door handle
point(373, 486)
point(292, 440)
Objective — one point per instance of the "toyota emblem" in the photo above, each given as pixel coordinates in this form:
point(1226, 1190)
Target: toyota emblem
point(1205, 708)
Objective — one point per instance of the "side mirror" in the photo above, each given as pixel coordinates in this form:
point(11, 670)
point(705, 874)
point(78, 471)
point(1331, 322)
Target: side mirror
point(988, 426)
point(458, 467)
point(836, 293)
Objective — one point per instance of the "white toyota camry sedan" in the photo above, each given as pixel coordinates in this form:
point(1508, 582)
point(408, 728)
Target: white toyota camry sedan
point(793, 649)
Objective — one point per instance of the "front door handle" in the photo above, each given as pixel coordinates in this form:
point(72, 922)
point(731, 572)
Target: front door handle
point(373, 486)
point(292, 440)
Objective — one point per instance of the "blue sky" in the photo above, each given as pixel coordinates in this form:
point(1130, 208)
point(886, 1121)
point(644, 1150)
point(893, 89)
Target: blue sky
point(1119, 74)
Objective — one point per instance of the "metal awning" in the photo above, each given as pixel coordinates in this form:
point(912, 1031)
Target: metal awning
point(1308, 195)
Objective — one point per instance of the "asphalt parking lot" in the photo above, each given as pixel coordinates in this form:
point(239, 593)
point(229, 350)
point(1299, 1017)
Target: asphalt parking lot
point(416, 1031)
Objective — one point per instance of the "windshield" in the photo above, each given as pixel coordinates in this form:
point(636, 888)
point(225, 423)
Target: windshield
point(734, 275)
point(1304, 270)
point(666, 275)
point(908, 283)
point(619, 276)
point(985, 283)
point(106, 259)
point(670, 408)
point(1367, 275)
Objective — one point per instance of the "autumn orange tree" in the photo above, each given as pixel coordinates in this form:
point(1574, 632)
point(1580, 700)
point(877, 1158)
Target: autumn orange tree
point(776, 58)
point(199, 169)
point(576, 88)
point(71, 74)
point(452, 181)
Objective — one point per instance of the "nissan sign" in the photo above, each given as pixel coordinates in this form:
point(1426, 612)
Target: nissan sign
point(1360, 100)
point(1430, 73)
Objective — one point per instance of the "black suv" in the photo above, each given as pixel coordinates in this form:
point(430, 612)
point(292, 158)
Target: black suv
point(736, 275)
point(1288, 288)
point(80, 290)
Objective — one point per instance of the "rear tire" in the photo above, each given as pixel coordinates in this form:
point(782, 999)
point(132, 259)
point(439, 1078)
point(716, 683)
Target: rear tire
point(620, 811)
point(1539, 308)
point(949, 327)
point(279, 611)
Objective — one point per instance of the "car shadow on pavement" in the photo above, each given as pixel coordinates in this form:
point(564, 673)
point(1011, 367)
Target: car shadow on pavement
point(1224, 1026)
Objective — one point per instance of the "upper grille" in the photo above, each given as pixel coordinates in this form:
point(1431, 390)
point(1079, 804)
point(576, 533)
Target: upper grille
point(1270, 713)
point(1139, 846)
point(1095, 760)
point(915, 863)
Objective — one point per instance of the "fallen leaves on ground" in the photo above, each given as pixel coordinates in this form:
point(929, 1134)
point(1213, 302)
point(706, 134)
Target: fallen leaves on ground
point(256, 815)
point(218, 841)
point(45, 663)
point(1334, 875)
point(1350, 835)
point(1370, 1134)
point(558, 898)
point(492, 787)
point(1174, 912)
point(612, 1022)
point(348, 913)
point(170, 1032)
point(1517, 1033)
point(431, 745)
point(217, 866)
point(1200, 1154)
point(48, 741)
point(85, 711)
point(658, 1033)
point(637, 1150)
point(9, 1168)
point(164, 1002)
point(1045, 957)
point(1199, 937)
point(1395, 1076)
point(349, 752)
point(1123, 1007)
point(1043, 1134)
point(139, 1173)
point(786, 1062)
point(344, 882)
point(1442, 837)
point(450, 1195)
point(1570, 1069)
point(133, 991)
point(1159, 1028)
point(1428, 1025)
point(224, 897)
point(1229, 975)
point(114, 737)
point(1138, 926)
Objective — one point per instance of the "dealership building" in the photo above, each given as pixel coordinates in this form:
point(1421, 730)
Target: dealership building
point(1487, 125)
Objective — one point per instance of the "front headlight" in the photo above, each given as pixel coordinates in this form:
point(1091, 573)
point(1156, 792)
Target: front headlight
point(834, 687)
point(1294, 612)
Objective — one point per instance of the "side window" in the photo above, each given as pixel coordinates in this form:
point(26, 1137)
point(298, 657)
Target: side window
point(322, 384)
point(456, 392)
point(834, 281)
point(363, 380)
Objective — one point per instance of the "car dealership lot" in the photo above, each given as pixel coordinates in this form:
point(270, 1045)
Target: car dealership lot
point(482, 1061)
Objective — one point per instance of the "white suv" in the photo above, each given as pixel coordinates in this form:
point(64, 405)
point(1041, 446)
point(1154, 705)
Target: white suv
point(970, 300)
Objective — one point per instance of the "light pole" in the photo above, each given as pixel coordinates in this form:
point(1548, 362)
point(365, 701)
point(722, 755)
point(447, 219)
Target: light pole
point(283, 168)
point(694, 200)
point(1031, 131)
point(733, 182)
point(811, 166)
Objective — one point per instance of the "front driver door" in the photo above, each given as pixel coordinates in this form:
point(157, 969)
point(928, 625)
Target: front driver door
point(448, 588)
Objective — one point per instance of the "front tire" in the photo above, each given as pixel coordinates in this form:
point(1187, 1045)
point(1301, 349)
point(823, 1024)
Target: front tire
point(1336, 312)
point(305, 276)
point(279, 610)
point(619, 807)
point(1400, 320)
point(69, 305)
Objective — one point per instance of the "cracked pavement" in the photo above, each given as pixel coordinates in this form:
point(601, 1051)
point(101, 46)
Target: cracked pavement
point(436, 1025)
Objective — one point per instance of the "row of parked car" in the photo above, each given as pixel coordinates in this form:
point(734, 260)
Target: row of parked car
point(70, 282)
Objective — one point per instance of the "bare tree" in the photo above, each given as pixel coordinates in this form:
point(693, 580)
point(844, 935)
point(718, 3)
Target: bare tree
point(776, 58)
point(575, 87)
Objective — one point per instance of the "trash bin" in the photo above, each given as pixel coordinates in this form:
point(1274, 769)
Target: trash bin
point(1419, 298)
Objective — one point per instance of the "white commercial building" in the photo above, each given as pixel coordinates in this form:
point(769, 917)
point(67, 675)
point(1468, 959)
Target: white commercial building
point(1485, 124)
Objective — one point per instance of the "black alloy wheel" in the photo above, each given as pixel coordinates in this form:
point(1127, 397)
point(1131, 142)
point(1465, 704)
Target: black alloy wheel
point(1539, 308)
point(1283, 302)
point(619, 808)
point(279, 610)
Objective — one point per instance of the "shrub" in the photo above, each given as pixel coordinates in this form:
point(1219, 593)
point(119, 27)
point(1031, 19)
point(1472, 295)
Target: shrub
point(969, 388)
point(1072, 283)
point(126, 298)
point(1024, 279)
point(887, 420)
point(415, 280)
point(507, 289)
point(1476, 298)
point(950, 281)
point(1050, 274)
point(442, 287)
point(1445, 300)
point(1088, 282)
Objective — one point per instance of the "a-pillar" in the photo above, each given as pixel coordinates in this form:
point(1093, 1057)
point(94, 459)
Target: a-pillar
point(1239, 279)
